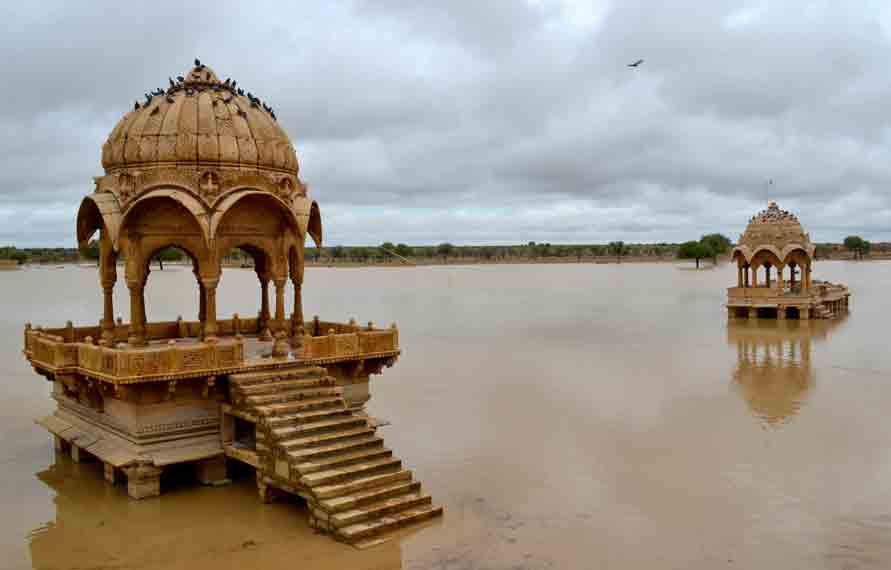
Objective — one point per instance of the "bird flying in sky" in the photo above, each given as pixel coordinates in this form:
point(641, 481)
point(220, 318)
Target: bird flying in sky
point(636, 63)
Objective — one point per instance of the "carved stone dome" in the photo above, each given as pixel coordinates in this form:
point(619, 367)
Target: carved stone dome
point(774, 227)
point(199, 120)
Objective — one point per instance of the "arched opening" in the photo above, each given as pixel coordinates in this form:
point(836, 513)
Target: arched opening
point(793, 313)
point(768, 269)
point(259, 225)
point(164, 300)
point(799, 266)
point(161, 226)
point(743, 274)
point(244, 265)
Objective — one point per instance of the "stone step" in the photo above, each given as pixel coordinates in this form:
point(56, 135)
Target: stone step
point(343, 459)
point(301, 405)
point(338, 489)
point(315, 453)
point(292, 395)
point(276, 385)
point(361, 498)
point(358, 531)
point(317, 427)
point(249, 378)
point(381, 508)
point(300, 418)
point(326, 438)
point(348, 472)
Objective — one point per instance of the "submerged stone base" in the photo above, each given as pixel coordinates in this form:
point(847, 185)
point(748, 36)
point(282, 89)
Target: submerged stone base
point(137, 441)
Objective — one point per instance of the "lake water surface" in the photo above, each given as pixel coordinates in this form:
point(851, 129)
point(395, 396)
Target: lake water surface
point(567, 416)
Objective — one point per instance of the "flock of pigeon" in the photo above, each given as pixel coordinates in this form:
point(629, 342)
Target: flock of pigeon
point(197, 84)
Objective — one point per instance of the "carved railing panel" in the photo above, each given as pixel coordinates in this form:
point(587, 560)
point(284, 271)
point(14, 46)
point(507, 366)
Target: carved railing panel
point(50, 349)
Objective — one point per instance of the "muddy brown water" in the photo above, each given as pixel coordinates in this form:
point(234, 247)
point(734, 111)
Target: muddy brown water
point(567, 416)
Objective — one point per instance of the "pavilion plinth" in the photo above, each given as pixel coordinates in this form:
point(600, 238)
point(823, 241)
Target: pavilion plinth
point(142, 408)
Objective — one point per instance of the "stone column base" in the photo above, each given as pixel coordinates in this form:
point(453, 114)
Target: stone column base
point(111, 473)
point(268, 493)
point(212, 471)
point(77, 454)
point(143, 480)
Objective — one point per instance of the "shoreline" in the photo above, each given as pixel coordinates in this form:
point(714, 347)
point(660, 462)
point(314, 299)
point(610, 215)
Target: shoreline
point(462, 261)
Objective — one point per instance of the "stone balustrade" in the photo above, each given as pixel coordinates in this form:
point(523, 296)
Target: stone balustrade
point(72, 349)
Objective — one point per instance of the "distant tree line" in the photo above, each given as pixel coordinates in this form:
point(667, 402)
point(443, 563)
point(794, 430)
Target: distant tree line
point(444, 252)
point(707, 247)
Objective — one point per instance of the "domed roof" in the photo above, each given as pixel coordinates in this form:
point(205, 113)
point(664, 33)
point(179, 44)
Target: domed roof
point(199, 120)
point(774, 227)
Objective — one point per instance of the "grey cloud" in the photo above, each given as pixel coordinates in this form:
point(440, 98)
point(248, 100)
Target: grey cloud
point(484, 121)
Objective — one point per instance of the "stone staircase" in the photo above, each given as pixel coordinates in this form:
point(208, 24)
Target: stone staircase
point(309, 443)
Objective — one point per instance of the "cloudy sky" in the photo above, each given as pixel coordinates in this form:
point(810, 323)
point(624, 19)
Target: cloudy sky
point(484, 122)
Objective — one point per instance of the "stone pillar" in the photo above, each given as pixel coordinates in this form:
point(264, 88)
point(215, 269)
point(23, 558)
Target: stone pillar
point(279, 304)
point(746, 276)
point(264, 307)
point(781, 313)
point(804, 313)
point(137, 324)
point(212, 471)
point(297, 315)
point(108, 276)
point(268, 493)
point(202, 301)
point(753, 313)
point(77, 455)
point(210, 307)
point(143, 480)
point(731, 313)
point(143, 318)
point(111, 473)
point(767, 275)
point(107, 337)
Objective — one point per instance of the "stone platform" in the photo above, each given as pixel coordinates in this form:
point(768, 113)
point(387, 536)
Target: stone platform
point(293, 408)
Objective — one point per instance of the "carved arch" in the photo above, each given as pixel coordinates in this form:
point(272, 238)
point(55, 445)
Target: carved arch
point(741, 252)
point(310, 218)
point(233, 198)
point(184, 199)
point(807, 250)
point(763, 250)
point(98, 211)
point(315, 224)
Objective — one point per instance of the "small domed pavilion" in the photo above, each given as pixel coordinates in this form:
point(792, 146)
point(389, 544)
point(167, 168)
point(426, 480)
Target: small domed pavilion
point(773, 243)
point(205, 167)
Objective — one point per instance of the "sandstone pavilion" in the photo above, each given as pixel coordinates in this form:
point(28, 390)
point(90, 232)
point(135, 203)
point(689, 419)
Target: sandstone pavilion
point(205, 167)
point(774, 260)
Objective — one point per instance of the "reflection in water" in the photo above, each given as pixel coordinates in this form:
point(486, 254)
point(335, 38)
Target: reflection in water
point(773, 370)
point(97, 526)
